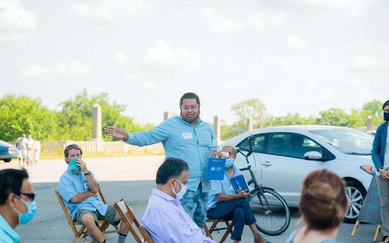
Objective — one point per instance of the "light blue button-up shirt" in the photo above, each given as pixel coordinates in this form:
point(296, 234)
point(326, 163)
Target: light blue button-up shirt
point(184, 141)
point(221, 186)
point(7, 233)
point(167, 221)
point(72, 183)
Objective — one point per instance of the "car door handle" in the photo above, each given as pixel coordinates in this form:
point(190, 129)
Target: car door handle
point(266, 163)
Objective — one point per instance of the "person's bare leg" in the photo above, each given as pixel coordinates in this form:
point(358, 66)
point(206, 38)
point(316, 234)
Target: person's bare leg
point(92, 228)
point(257, 236)
point(123, 229)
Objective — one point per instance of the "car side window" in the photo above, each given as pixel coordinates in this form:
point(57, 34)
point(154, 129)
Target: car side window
point(257, 143)
point(277, 144)
point(292, 145)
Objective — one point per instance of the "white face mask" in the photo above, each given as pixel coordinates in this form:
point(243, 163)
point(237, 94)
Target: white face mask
point(182, 192)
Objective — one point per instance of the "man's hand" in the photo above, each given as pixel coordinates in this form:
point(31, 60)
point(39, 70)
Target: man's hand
point(242, 194)
point(117, 132)
point(82, 165)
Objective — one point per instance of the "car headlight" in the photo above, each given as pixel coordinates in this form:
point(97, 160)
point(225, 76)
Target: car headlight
point(368, 169)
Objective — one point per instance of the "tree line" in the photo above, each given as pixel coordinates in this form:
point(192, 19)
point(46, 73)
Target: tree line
point(255, 109)
point(72, 119)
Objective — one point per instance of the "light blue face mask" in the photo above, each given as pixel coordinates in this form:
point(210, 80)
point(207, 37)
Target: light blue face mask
point(25, 218)
point(229, 162)
point(73, 164)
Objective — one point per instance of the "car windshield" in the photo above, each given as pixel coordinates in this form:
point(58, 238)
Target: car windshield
point(348, 141)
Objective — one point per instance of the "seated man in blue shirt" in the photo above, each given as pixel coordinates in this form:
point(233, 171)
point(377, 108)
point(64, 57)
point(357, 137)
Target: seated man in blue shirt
point(17, 204)
point(79, 190)
point(165, 219)
point(224, 203)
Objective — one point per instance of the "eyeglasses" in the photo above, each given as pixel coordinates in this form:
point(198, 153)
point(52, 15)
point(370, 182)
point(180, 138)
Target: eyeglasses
point(30, 195)
point(192, 107)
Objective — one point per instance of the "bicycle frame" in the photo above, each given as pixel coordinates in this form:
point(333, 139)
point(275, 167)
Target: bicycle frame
point(253, 180)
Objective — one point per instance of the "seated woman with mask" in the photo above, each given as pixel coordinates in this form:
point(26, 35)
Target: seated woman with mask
point(224, 203)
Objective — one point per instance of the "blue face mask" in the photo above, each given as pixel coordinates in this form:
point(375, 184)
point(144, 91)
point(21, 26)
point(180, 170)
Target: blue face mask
point(24, 218)
point(73, 165)
point(229, 162)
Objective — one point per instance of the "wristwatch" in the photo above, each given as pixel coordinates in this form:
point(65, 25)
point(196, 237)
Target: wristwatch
point(87, 173)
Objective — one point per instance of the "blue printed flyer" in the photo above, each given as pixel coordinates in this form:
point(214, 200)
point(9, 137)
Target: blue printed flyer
point(216, 168)
point(239, 184)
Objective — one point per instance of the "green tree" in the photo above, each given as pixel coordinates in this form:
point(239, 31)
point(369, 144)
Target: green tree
point(77, 116)
point(25, 115)
point(250, 108)
point(374, 110)
point(290, 119)
point(333, 117)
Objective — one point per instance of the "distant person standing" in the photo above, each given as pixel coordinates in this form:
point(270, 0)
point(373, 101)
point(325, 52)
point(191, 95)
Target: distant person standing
point(30, 150)
point(380, 156)
point(186, 137)
point(21, 145)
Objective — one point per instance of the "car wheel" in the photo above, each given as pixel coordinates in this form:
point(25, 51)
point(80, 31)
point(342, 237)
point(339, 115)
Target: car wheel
point(7, 160)
point(356, 194)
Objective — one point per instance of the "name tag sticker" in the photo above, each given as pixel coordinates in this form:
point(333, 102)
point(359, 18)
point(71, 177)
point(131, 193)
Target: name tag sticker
point(187, 135)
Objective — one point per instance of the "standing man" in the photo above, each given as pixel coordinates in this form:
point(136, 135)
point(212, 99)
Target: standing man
point(380, 156)
point(21, 145)
point(186, 137)
point(17, 204)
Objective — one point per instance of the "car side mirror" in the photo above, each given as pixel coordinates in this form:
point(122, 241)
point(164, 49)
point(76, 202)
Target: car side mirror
point(313, 155)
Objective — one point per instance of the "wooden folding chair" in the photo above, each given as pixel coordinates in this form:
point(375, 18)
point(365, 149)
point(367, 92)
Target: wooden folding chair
point(215, 227)
point(128, 217)
point(81, 232)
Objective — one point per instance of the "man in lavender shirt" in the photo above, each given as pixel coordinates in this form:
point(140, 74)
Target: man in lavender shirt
point(164, 218)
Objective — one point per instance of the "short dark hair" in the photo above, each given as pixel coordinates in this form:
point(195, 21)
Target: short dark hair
point(385, 104)
point(190, 95)
point(11, 180)
point(69, 147)
point(170, 168)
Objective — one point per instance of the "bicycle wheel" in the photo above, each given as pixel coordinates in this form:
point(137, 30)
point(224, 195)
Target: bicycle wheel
point(270, 210)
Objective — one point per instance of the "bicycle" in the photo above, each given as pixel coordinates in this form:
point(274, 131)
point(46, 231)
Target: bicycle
point(270, 208)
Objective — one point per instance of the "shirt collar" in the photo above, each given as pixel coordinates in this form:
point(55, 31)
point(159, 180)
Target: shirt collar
point(4, 226)
point(167, 197)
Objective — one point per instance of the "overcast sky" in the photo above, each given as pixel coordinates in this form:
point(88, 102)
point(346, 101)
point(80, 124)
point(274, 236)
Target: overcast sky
point(296, 56)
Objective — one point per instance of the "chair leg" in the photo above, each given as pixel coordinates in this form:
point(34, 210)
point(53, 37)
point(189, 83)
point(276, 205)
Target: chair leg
point(208, 234)
point(228, 231)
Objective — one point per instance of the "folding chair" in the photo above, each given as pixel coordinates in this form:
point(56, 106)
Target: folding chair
point(214, 227)
point(128, 217)
point(81, 232)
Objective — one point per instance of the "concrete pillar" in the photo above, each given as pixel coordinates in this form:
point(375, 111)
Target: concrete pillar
point(216, 127)
point(250, 124)
point(166, 115)
point(97, 130)
point(369, 124)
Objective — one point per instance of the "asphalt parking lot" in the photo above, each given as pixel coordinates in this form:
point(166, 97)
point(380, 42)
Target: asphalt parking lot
point(129, 178)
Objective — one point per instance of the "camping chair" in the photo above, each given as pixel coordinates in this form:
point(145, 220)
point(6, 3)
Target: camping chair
point(128, 217)
point(227, 228)
point(81, 232)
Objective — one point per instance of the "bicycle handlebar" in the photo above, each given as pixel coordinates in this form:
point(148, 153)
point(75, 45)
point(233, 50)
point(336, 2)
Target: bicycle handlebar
point(250, 138)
